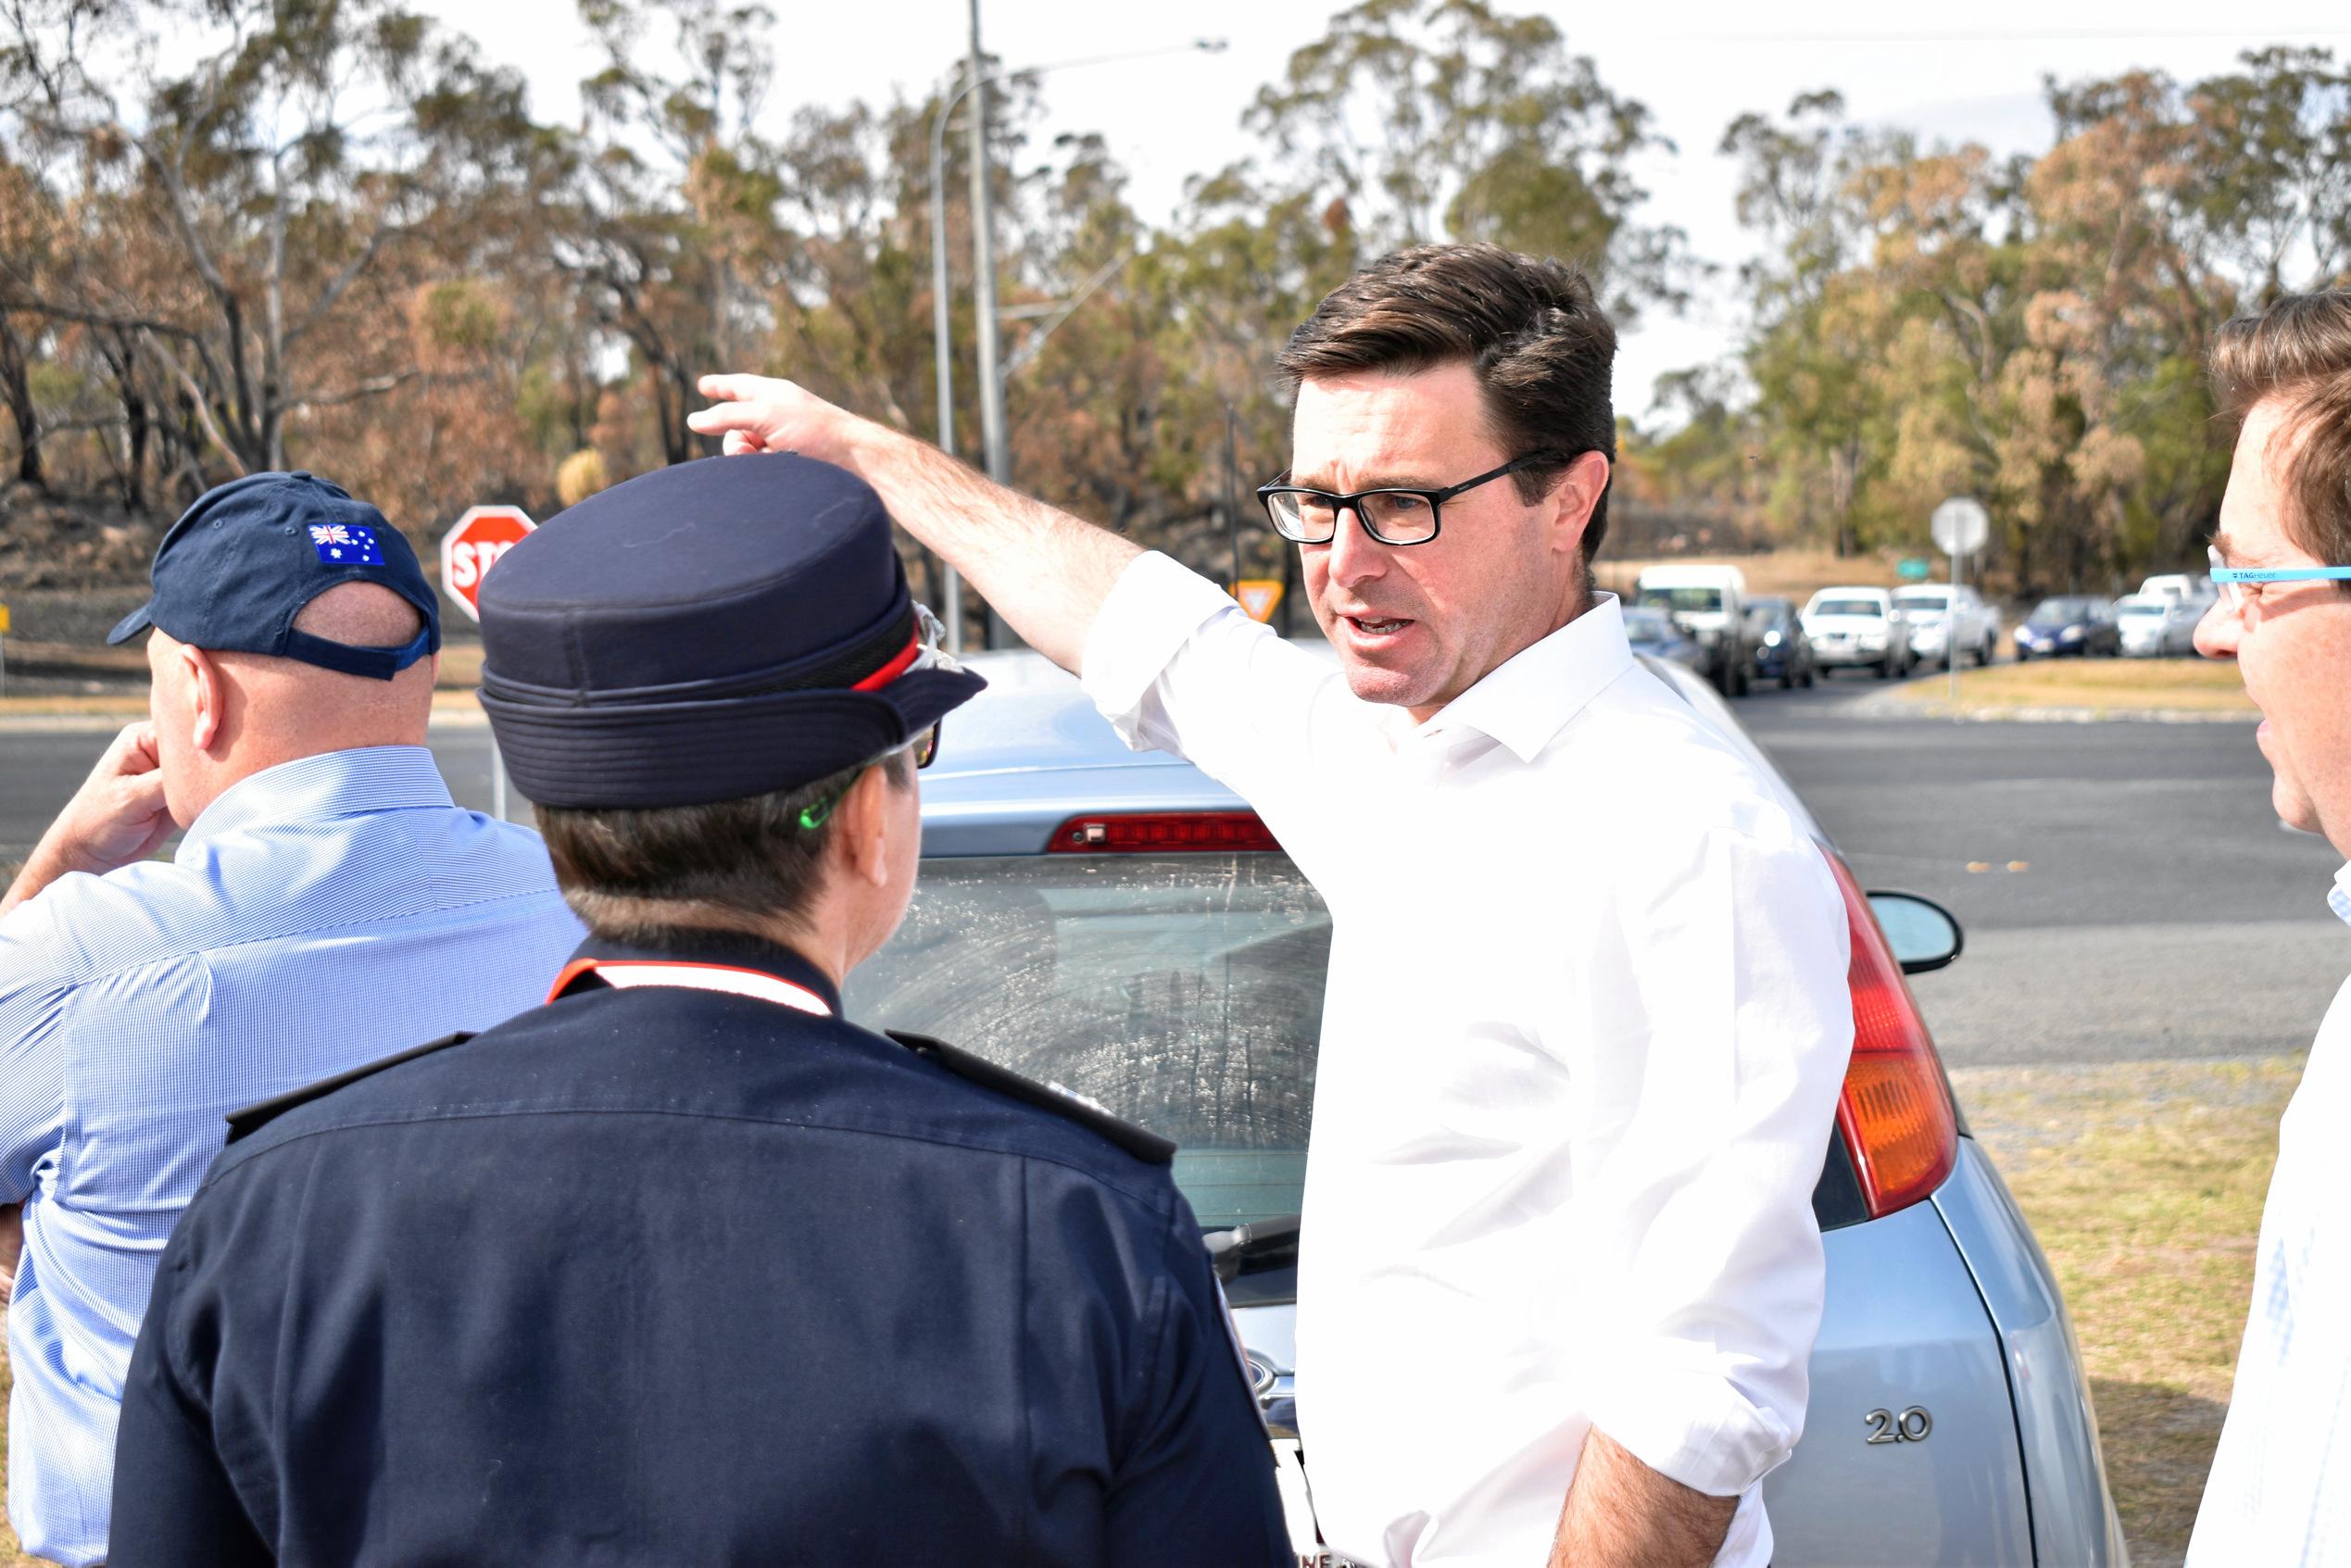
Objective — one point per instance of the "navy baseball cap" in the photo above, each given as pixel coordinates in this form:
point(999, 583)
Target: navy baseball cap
point(240, 564)
point(708, 631)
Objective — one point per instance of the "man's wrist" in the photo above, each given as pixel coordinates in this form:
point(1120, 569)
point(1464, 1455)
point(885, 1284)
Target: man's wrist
point(47, 863)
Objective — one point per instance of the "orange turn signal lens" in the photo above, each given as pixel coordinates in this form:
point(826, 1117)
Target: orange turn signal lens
point(1896, 1114)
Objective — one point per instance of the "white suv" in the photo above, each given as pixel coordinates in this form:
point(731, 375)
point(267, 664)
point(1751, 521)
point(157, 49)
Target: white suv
point(1858, 626)
point(1948, 622)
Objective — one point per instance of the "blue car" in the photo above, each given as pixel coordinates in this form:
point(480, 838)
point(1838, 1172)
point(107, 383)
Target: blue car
point(2072, 623)
point(1120, 925)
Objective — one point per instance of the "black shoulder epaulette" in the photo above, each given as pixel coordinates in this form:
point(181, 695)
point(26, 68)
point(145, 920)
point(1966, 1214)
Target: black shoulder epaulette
point(261, 1113)
point(1140, 1142)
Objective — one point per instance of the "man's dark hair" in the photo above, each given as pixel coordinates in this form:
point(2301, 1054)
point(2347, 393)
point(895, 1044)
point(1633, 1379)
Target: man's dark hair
point(634, 874)
point(1527, 326)
point(2299, 351)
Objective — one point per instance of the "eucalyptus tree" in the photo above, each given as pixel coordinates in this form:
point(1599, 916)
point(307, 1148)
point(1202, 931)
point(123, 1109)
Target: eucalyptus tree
point(250, 190)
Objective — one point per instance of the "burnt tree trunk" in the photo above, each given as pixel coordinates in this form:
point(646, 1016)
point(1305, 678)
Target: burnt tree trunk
point(16, 387)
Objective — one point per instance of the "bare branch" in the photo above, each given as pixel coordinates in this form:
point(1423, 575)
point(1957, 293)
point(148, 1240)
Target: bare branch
point(203, 405)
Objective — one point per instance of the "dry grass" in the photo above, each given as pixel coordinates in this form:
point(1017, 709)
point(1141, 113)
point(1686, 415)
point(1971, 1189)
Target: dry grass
point(1796, 574)
point(2144, 1183)
point(2102, 687)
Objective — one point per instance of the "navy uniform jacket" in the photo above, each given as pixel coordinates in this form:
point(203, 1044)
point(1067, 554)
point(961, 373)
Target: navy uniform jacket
point(667, 1276)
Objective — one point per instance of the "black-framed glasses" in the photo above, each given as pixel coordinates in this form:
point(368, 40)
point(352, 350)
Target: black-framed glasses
point(1389, 515)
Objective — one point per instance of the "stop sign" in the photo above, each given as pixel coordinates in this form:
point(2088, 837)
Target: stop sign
point(468, 550)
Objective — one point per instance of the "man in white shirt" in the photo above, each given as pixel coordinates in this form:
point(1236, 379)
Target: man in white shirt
point(2279, 1491)
point(1587, 1011)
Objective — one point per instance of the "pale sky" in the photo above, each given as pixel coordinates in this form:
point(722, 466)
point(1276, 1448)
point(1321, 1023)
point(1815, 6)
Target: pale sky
point(1965, 73)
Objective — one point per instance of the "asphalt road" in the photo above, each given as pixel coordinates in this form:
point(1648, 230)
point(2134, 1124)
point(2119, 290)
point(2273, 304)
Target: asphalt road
point(2159, 909)
point(2155, 910)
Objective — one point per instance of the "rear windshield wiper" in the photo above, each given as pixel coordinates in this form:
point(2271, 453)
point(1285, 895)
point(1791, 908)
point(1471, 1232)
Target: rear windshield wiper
point(1261, 1242)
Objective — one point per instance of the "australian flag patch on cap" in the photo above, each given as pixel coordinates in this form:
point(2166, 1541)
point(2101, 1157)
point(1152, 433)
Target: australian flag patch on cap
point(341, 544)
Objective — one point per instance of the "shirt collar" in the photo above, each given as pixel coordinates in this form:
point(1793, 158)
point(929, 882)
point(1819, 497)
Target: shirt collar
point(2339, 895)
point(728, 949)
point(333, 784)
point(1530, 697)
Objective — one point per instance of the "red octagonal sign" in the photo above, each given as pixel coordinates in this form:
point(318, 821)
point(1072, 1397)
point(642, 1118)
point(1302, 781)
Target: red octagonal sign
point(468, 550)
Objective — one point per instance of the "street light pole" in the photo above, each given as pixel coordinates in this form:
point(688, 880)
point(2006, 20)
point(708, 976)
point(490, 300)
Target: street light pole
point(939, 336)
point(996, 461)
point(994, 450)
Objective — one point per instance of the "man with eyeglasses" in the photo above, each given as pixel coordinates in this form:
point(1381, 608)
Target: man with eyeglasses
point(2280, 1490)
point(1587, 1010)
point(683, 1267)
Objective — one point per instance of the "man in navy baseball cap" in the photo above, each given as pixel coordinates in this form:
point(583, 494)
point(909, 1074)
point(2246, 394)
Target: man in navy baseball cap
point(686, 1267)
point(328, 904)
point(240, 565)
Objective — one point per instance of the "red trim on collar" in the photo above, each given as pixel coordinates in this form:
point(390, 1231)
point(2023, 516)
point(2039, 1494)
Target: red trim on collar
point(630, 973)
point(895, 668)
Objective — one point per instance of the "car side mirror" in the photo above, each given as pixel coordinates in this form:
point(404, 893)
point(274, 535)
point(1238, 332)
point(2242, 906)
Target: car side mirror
point(1923, 935)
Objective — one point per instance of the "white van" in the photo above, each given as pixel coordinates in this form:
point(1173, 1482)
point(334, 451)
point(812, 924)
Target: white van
point(1709, 603)
point(2176, 585)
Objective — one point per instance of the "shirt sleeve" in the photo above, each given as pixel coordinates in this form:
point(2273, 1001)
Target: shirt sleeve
point(1700, 1272)
point(1197, 1483)
point(32, 1002)
point(1177, 666)
point(174, 1504)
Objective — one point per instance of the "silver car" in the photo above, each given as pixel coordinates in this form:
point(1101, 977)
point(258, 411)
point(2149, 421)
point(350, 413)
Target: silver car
point(1122, 925)
point(2155, 626)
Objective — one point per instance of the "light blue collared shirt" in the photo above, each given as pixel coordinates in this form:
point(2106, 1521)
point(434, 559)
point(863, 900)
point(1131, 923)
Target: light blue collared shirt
point(318, 916)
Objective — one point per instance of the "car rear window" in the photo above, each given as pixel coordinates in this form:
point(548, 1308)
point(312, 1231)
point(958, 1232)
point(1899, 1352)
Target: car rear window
point(1869, 607)
point(1182, 992)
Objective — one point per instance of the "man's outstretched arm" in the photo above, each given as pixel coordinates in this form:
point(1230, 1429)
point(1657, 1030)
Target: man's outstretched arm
point(1045, 571)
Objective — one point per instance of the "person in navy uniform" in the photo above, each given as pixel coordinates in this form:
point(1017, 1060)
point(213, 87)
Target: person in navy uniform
point(683, 1267)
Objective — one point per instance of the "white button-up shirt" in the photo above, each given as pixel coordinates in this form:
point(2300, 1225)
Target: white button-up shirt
point(1587, 1018)
point(2280, 1493)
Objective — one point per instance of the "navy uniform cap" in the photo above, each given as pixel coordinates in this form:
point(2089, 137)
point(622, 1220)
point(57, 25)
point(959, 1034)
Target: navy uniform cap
point(239, 565)
point(707, 632)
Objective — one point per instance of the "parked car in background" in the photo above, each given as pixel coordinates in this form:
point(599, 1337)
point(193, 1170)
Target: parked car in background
point(1782, 651)
point(1859, 628)
point(2073, 623)
point(1709, 604)
point(1653, 632)
point(1122, 924)
point(1949, 622)
point(2157, 626)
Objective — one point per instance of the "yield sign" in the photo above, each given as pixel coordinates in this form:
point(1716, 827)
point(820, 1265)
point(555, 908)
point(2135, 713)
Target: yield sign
point(468, 550)
point(1258, 595)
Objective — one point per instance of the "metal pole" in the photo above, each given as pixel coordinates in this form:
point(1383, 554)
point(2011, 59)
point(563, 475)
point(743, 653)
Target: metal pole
point(498, 781)
point(1232, 498)
point(940, 326)
point(996, 453)
point(1951, 628)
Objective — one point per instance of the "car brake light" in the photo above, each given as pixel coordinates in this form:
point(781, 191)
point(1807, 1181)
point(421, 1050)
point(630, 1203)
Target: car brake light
point(1144, 832)
point(1895, 1112)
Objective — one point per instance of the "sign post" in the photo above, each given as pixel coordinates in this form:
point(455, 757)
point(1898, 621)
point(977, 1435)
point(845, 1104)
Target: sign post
point(468, 551)
point(1960, 525)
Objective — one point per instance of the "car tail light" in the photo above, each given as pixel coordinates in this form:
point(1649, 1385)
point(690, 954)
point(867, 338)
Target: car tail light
point(1895, 1113)
point(1148, 833)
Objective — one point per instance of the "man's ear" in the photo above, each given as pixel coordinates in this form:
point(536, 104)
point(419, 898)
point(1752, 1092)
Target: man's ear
point(208, 696)
point(1573, 497)
point(861, 828)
